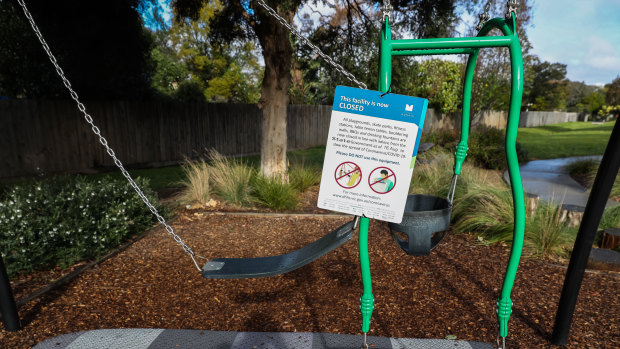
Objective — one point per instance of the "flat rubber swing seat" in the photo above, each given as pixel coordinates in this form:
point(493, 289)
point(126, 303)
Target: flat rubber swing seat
point(246, 268)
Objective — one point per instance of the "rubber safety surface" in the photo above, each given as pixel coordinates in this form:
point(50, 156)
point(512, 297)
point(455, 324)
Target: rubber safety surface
point(184, 339)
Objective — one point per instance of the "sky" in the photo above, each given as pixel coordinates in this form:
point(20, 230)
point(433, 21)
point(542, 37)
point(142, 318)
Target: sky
point(584, 35)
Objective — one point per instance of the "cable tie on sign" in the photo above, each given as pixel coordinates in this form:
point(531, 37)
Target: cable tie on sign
point(385, 93)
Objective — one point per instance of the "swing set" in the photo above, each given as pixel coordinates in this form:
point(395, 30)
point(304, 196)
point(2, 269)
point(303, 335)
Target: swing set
point(426, 218)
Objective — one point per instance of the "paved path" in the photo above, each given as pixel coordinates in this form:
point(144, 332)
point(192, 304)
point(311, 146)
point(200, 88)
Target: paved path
point(136, 338)
point(549, 180)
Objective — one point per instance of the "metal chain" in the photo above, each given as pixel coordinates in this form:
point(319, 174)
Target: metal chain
point(315, 49)
point(387, 10)
point(512, 6)
point(484, 16)
point(102, 140)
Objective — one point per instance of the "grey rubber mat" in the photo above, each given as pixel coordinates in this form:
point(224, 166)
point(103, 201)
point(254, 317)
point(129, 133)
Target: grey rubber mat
point(245, 268)
point(189, 339)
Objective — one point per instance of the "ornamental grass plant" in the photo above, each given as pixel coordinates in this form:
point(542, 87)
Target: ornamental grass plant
point(274, 193)
point(231, 179)
point(196, 187)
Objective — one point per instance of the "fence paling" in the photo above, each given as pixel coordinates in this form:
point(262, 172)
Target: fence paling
point(51, 135)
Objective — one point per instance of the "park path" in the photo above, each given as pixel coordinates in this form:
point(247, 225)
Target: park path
point(549, 180)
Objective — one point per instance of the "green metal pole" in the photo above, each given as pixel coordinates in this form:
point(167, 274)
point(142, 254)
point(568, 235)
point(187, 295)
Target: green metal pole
point(461, 148)
point(451, 43)
point(504, 304)
point(367, 300)
point(443, 51)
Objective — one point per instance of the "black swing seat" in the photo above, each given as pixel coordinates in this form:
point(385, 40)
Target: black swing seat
point(425, 221)
point(246, 268)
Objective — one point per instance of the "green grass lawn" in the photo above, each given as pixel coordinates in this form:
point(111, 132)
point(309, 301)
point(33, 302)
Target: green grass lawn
point(566, 139)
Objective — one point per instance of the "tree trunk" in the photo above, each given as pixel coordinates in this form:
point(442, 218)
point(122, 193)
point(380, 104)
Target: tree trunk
point(277, 52)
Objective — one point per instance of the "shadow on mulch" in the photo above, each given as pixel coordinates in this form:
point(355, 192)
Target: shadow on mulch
point(453, 291)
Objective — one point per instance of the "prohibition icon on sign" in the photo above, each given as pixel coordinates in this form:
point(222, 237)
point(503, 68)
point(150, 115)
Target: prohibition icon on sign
point(348, 175)
point(382, 180)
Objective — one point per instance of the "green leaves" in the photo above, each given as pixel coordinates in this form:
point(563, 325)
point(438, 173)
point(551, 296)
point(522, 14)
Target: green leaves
point(62, 220)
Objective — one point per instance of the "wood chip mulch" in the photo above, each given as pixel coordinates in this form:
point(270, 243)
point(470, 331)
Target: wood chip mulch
point(153, 284)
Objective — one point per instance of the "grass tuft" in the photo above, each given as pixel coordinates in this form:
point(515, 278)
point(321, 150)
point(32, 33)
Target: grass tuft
point(302, 176)
point(274, 193)
point(545, 234)
point(231, 179)
point(196, 184)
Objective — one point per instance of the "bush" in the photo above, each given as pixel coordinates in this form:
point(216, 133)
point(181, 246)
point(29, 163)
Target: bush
point(584, 172)
point(60, 221)
point(487, 148)
point(274, 193)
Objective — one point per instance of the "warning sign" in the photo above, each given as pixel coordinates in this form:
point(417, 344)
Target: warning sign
point(382, 180)
point(348, 175)
point(372, 143)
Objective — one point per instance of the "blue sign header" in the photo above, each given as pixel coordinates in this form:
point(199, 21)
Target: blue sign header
point(382, 105)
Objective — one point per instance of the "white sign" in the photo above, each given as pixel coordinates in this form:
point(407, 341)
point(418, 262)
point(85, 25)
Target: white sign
point(370, 153)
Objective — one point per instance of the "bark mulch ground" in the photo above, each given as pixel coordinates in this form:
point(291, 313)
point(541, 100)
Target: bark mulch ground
point(153, 284)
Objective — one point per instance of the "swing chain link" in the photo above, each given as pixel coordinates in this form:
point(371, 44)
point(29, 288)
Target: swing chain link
point(314, 48)
point(387, 10)
point(512, 6)
point(484, 16)
point(102, 139)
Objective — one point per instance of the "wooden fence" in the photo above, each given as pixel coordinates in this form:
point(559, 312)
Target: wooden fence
point(53, 137)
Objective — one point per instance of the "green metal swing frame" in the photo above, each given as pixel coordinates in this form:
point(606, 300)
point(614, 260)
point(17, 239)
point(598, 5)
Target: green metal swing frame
point(471, 46)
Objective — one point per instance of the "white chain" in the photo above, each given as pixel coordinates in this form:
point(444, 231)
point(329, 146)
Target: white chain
point(102, 140)
point(315, 49)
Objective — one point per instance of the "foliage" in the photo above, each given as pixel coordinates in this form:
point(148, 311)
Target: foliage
point(564, 140)
point(231, 179)
point(102, 58)
point(547, 87)
point(607, 110)
point(196, 185)
point(545, 234)
point(487, 148)
point(274, 193)
point(584, 171)
point(62, 220)
point(168, 72)
point(433, 175)
point(583, 98)
point(611, 218)
point(302, 176)
point(440, 82)
point(488, 210)
point(191, 66)
point(612, 97)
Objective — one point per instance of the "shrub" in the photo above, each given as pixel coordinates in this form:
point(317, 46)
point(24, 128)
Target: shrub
point(231, 179)
point(584, 172)
point(60, 221)
point(196, 185)
point(303, 177)
point(274, 193)
point(611, 218)
point(487, 148)
point(433, 177)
